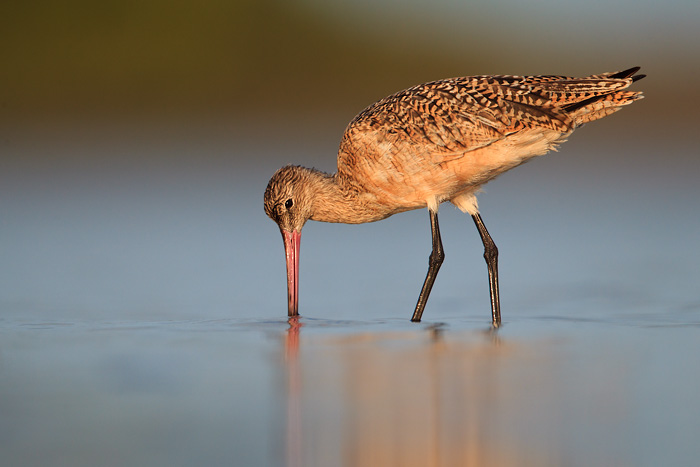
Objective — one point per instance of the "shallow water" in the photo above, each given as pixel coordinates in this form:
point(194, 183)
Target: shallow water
point(142, 299)
point(543, 390)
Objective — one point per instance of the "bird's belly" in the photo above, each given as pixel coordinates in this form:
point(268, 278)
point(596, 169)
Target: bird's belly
point(407, 182)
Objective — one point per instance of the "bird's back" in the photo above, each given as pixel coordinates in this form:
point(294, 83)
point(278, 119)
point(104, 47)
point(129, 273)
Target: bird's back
point(443, 137)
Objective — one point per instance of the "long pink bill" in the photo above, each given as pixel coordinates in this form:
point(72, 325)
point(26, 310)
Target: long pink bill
point(292, 241)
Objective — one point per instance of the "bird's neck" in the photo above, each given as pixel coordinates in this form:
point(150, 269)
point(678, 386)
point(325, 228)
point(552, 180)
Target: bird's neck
point(333, 200)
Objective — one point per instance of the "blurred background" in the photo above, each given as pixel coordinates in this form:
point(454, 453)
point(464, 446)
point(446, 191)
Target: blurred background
point(136, 141)
point(270, 60)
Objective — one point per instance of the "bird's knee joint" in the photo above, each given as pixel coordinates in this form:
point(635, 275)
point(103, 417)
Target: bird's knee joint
point(490, 252)
point(436, 258)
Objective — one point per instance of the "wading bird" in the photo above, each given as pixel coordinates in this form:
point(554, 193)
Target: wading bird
point(435, 142)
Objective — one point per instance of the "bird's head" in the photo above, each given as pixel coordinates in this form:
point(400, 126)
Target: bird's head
point(289, 202)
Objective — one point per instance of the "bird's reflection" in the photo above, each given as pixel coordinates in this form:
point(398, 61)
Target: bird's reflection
point(294, 429)
point(423, 396)
point(291, 346)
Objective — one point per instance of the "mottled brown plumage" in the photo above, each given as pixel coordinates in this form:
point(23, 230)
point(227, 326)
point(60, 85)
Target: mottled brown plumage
point(440, 141)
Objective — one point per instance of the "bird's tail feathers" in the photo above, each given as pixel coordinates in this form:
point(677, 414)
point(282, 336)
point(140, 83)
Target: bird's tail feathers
point(628, 73)
point(603, 106)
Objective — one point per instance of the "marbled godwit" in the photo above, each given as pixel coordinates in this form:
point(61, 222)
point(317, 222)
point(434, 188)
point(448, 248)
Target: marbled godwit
point(435, 142)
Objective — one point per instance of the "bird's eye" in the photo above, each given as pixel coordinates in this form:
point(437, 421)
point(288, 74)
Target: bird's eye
point(289, 203)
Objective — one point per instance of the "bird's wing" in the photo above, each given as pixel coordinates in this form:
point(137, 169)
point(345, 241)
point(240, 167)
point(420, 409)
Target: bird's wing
point(447, 119)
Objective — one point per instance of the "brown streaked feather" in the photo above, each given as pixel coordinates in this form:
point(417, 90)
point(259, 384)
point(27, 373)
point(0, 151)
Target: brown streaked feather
point(441, 141)
point(394, 148)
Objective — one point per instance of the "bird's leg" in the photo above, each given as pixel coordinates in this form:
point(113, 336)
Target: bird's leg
point(491, 257)
point(434, 262)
